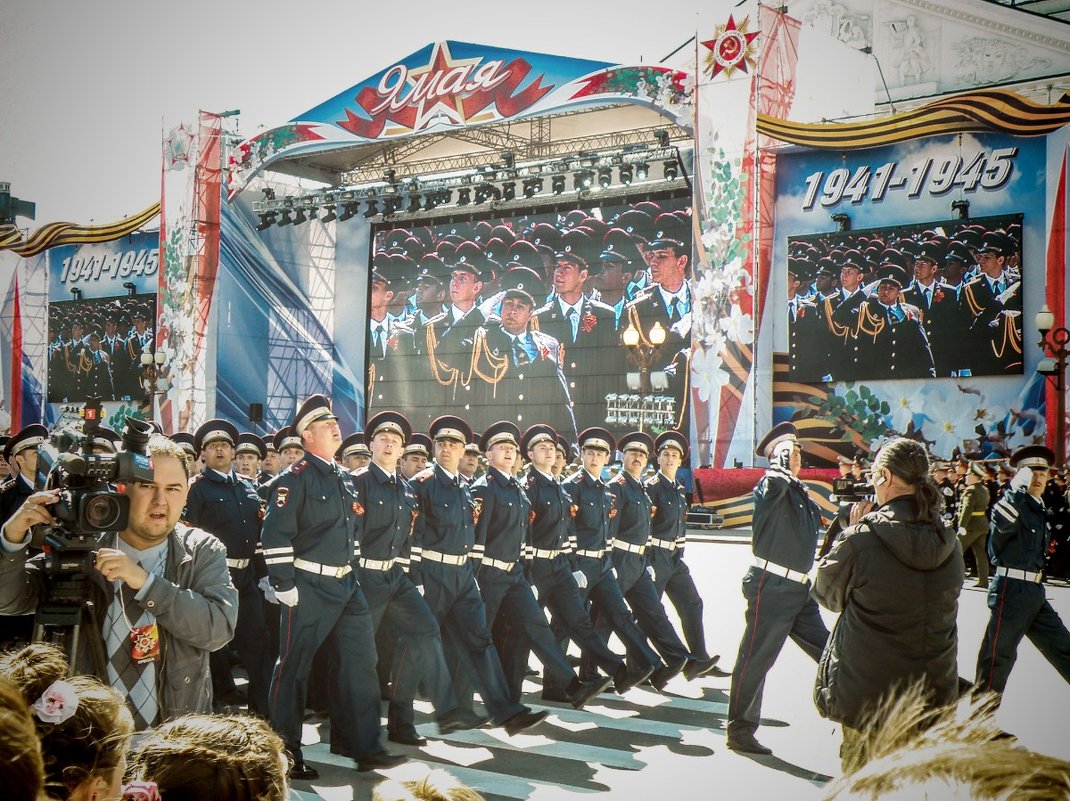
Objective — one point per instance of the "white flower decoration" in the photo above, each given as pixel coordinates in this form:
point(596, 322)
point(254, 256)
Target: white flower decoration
point(57, 704)
point(708, 375)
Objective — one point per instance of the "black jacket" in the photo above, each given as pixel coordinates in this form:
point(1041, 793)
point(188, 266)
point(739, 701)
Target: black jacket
point(896, 585)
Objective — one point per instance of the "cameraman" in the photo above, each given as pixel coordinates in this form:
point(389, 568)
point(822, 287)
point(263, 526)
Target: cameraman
point(894, 576)
point(164, 590)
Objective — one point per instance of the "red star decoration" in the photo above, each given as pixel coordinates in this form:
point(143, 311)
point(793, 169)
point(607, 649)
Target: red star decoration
point(442, 62)
point(730, 49)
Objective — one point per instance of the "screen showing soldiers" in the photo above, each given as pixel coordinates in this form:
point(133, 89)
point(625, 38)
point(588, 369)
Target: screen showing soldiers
point(95, 347)
point(522, 317)
point(933, 300)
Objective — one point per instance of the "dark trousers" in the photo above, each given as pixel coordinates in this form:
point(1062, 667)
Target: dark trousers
point(673, 579)
point(607, 603)
point(417, 658)
point(1019, 609)
point(777, 608)
point(454, 600)
point(507, 596)
point(251, 641)
point(643, 599)
point(331, 611)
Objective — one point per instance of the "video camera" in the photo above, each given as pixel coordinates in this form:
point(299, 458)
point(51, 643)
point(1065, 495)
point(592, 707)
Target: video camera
point(851, 490)
point(89, 507)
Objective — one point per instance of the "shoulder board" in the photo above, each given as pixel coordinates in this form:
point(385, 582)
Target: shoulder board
point(437, 318)
point(299, 467)
point(403, 327)
point(359, 471)
point(195, 478)
point(575, 478)
point(643, 294)
point(424, 474)
point(652, 481)
point(546, 307)
point(617, 479)
point(598, 305)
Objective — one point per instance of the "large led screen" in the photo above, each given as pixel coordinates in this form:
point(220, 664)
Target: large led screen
point(929, 300)
point(522, 318)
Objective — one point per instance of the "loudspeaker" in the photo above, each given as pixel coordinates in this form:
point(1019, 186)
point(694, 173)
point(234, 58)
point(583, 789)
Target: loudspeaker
point(256, 413)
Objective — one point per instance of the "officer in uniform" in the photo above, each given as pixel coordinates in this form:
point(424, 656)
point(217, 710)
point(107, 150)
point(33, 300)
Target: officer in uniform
point(415, 455)
point(225, 504)
point(248, 455)
point(630, 535)
point(891, 337)
point(786, 526)
point(972, 524)
point(992, 301)
point(665, 552)
point(1017, 542)
point(593, 507)
point(311, 541)
point(289, 445)
point(270, 464)
point(502, 533)
point(354, 453)
point(20, 453)
point(443, 538)
point(551, 570)
point(185, 441)
point(388, 506)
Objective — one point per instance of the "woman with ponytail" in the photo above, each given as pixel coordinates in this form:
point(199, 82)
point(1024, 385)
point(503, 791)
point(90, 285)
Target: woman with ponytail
point(894, 576)
point(83, 725)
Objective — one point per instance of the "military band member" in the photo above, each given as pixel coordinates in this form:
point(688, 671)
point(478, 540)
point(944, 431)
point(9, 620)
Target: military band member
point(1017, 543)
point(443, 538)
point(311, 542)
point(389, 509)
point(787, 524)
point(502, 534)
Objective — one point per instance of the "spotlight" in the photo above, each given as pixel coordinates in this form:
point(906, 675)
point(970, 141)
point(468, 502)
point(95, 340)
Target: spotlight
point(583, 180)
point(131, 287)
point(669, 168)
point(431, 199)
point(391, 205)
point(529, 187)
point(605, 177)
point(77, 292)
point(414, 203)
point(313, 213)
point(961, 208)
point(464, 196)
point(483, 193)
point(266, 221)
point(299, 217)
point(509, 191)
point(269, 193)
point(445, 197)
point(625, 172)
point(373, 208)
point(642, 170)
point(662, 136)
point(286, 219)
point(348, 210)
point(330, 215)
point(557, 184)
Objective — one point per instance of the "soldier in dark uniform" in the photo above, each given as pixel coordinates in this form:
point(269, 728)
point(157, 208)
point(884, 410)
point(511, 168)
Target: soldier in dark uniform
point(289, 445)
point(593, 507)
point(586, 329)
point(391, 347)
point(5, 468)
point(270, 464)
point(993, 302)
point(841, 314)
point(787, 524)
point(941, 314)
point(502, 534)
point(665, 552)
point(443, 538)
point(138, 340)
point(389, 509)
point(97, 380)
point(311, 540)
point(448, 338)
point(468, 467)
point(630, 536)
point(185, 441)
point(415, 455)
point(225, 504)
point(114, 345)
point(809, 338)
point(551, 570)
point(74, 361)
point(1018, 543)
point(891, 338)
point(354, 453)
point(248, 455)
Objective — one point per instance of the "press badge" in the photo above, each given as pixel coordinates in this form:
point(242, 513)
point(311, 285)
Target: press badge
point(145, 644)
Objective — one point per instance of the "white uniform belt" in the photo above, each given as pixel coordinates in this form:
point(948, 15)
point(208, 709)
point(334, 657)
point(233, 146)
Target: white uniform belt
point(592, 554)
point(499, 563)
point(618, 545)
point(541, 553)
point(668, 545)
point(323, 570)
point(444, 558)
point(1017, 573)
point(237, 564)
point(780, 570)
point(376, 564)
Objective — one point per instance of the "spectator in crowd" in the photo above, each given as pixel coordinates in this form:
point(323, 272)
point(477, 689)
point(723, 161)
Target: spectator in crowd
point(160, 580)
point(84, 726)
point(20, 750)
point(894, 576)
point(218, 757)
point(438, 785)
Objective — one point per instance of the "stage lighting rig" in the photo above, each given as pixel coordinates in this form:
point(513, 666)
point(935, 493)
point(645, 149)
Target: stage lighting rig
point(266, 221)
point(330, 215)
point(662, 137)
point(625, 172)
point(414, 203)
point(669, 170)
point(373, 208)
point(557, 184)
point(509, 190)
point(605, 177)
point(642, 170)
point(299, 217)
point(285, 219)
point(584, 179)
point(348, 210)
point(464, 196)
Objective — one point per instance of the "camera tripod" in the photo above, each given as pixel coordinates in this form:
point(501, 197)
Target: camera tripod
point(67, 613)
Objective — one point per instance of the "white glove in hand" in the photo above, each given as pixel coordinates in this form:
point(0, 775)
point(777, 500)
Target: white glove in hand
point(961, 531)
point(581, 579)
point(650, 572)
point(268, 590)
point(288, 597)
point(420, 589)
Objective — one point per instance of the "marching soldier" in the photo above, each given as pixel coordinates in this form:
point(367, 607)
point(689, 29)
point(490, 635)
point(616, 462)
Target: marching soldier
point(311, 540)
point(787, 524)
point(973, 520)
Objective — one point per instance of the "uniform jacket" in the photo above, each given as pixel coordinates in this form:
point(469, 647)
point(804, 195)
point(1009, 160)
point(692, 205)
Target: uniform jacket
point(787, 523)
point(195, 605)
point(895, 583)
point(945, 325)
point(312, 514)
point(810, 341)
point(504, 516)
point(12, 493)
point(551, 515)
point(1018, 536)
point(632, 523)
point(893, 349)
point(390, 511)
point(669, 520)
point(595, 507)
point(973, 511)
point(228, 507)
point(447, 519)
point(988, 318)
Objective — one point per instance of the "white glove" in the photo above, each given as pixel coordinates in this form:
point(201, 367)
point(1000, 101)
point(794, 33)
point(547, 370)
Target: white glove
point(289, 597)
point(613, 570)
point(268, 590)
point(961, 531)
point(1022, 479)
point(535, 591)
point(650, 572)
point(581, 579)
point(420, 589)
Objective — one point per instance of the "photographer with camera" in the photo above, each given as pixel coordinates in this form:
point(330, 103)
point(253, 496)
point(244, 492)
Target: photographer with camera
point(164, 589)
point(894, 575)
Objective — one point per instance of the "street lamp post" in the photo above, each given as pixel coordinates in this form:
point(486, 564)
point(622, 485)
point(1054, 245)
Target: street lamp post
point(153, 379)
point(1053, 342)
point(644, 348)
